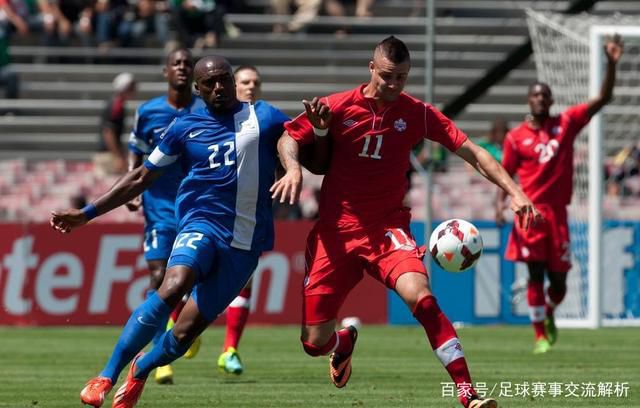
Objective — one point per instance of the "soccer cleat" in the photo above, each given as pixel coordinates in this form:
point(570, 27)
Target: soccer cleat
point(542, 346)
point(340, 365)
point(483, 403)
point(95, 391)
point(551, 329)
point(164, 375)
point(128, 395)
point(193, 350)
point(230, 362)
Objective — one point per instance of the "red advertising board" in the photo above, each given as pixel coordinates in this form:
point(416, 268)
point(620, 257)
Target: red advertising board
point(97, 275)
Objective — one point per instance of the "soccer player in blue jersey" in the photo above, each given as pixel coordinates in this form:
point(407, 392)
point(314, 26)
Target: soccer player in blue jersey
point(158, 201)
point(224, 217)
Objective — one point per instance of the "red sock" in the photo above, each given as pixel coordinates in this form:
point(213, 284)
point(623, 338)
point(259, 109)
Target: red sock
point(237, 315)
point(444, 341)
point(177, 310)
point(345, 344)
point(554, 298)
point(535, 297)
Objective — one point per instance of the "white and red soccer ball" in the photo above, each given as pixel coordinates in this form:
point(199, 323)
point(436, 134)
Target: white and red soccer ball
point(455, 245)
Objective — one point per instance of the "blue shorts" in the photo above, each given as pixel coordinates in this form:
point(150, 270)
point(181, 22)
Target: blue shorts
point(222, 271)
point(158, 243)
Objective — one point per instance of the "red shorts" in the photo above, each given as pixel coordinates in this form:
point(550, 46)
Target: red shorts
point(547, 241)
point(337, 259)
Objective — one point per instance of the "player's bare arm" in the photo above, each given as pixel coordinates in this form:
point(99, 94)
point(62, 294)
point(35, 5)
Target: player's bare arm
point(613, 50)
point(135, 161)
point(126, 188)
point(486, 165)
point(500, 206)
point(319, 114)
point(288, 186)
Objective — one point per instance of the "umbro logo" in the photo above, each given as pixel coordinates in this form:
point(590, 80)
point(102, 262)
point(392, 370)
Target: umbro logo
point(349, 123)
point(158, 130)
point(196, 133)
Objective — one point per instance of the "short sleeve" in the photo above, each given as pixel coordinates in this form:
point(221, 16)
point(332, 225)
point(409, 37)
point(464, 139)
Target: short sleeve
point(138, 144)
point(169, 149)
point(510, 158)
point(578, 116)
point(441, 129)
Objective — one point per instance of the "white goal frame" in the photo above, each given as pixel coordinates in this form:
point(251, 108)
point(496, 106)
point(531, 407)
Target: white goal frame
point(593, 315)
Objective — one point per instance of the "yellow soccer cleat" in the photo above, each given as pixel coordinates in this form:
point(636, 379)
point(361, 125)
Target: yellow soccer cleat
point(164, 375)
point(230, 363)
point(542, 346)
point(551, 329)
point(193, 350)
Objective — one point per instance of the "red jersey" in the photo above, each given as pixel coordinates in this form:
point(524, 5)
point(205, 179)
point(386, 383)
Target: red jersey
point(367, 178)
point(543, 158)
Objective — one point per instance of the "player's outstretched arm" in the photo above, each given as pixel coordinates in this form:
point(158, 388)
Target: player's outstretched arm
point(288, 187)
point(486, 165)
point(613, 50)
point(126, 188)
point(135, 161)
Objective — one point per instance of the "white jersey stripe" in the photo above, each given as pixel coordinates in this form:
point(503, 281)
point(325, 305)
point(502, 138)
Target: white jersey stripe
point(248, 176)
point(159, 159)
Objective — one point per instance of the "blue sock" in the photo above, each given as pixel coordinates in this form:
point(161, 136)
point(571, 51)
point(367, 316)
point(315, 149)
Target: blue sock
point(163, 353)
point(137, 333)
point(162, 325)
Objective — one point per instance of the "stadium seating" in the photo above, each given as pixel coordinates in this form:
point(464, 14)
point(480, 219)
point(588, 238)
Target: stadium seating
point(64, 88)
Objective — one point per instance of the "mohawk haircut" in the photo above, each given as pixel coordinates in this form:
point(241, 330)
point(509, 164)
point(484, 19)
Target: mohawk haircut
point(392, 49)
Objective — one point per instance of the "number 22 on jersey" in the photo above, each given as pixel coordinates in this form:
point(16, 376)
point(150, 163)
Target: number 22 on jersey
point(376, 150)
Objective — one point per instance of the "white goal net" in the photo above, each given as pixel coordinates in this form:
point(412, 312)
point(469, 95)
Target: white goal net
point(568, 52)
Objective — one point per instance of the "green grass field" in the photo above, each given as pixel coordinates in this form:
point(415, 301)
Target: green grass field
point(393, 367)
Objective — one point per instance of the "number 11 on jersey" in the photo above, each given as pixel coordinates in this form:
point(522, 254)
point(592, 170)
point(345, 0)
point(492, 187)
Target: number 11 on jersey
point(376, 152)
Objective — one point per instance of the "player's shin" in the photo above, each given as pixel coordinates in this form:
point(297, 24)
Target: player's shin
point(137, 333)
point(237, 316)
point(166, 351)
point(535, 298)
point(444, 342)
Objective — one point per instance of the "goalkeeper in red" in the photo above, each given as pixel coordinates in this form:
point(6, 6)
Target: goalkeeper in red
point(540, 152)
point(363, 227)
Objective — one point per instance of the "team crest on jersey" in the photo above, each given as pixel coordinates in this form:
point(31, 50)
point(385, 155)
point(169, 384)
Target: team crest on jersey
point(527, 142)
point(556, 130)
point(400, 125)
point(349, 123)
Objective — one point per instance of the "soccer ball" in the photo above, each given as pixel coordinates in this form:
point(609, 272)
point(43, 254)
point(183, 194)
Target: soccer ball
point(455, 245)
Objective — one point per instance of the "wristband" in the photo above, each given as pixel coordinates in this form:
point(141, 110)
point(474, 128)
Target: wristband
point(90, 211)
point(320, 132)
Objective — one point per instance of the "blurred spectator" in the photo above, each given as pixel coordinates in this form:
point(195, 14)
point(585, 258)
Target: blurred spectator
point(200, 23)
point(624, 172)
point(18, 16)
point(336, 8)
point(492, 142)
point(111, 158)
point(109, 14)
point(8, 78)
point(57, 27)
point(148, 17)
point(306, 11)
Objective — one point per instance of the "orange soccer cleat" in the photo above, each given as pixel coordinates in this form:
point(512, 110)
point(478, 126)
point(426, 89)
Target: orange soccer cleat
point(95, 391)
point(340, 364)
point(128, 395)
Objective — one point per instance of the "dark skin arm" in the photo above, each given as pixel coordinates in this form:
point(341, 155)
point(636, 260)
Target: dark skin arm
point(126, 188)
point(135, 161)
point(613, 50)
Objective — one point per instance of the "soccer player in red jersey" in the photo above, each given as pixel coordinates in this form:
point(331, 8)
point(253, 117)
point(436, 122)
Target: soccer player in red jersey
point(540, 152)
point(363, 225)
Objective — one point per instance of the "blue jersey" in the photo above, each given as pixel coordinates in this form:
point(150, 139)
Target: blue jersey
point(231, 161)
point(152, 119)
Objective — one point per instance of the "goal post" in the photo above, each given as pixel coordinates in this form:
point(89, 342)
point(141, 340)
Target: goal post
point(569, 56)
